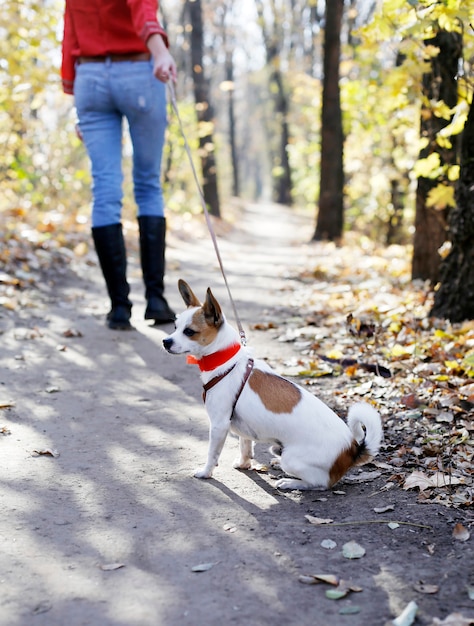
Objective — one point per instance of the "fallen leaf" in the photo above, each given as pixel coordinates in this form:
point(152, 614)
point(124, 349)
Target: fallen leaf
point(345, 584)
point(455, 619)
point(229, 528)
point(52, 389)
point(5, 404)
point(109, 567)
point(328, 544)
point(445, 480)
point(315, 579)
point(336, 594)
point(307, 580)
point(418, 479)
point(423, 481)
point(421, 587)
point(318, 521)
point(410, 401)
point(393, 525)
point(46, 452)
point(363, 477)
point(330, 579)
point(407, 616)
point(349, 610)
point(72, 333)
point(384, 509)
point(352, 550)
point(5, 431)
point(203, 567)
point(461, 533)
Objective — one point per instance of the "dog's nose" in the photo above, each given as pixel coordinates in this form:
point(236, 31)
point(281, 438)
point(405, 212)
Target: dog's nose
point(167, 343)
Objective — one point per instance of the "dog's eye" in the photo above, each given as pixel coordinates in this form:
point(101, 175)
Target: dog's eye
point(189, 332)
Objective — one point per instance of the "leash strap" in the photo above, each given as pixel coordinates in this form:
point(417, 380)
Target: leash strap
point(217, 379)
point(243, 339)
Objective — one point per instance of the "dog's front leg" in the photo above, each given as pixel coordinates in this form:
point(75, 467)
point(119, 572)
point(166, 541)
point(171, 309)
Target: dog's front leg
point(217, 436)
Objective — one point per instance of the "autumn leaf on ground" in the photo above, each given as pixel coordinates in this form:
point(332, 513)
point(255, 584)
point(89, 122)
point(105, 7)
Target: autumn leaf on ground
point(72, 333)
point(5, 404)
point(423, 481)
point(422, 587)
point(46, 452)
point(407, 616)
point(318, 521)
point(461, 533)
point(202, 567)
point(52, 389)
point(336, 594)
point(352, 550)
point(455, 619)
point(314, 579)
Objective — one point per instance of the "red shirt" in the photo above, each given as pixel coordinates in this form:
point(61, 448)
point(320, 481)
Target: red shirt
point(103, 27)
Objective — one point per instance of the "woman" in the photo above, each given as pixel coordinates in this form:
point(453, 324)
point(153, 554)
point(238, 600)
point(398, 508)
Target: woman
point(113, 52)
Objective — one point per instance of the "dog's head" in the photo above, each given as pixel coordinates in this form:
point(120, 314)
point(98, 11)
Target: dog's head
point(197, 328)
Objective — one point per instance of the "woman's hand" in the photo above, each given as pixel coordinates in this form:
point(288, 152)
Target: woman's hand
point(164, 66)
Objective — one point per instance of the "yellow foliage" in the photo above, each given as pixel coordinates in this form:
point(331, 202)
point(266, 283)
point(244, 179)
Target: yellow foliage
point(428, 168)
point(441, 109)
point(441, 197)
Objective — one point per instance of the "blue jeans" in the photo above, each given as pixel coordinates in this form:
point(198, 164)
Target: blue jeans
point(104, 94)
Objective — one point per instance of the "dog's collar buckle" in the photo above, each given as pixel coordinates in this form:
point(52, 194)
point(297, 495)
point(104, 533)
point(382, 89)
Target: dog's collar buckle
point(217, 379)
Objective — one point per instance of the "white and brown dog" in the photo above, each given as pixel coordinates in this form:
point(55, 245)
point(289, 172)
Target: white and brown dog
point(311, 443)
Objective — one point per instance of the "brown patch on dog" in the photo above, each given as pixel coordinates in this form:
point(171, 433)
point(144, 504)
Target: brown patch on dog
point(205, 332)
point(277, 394)
point(357, 454)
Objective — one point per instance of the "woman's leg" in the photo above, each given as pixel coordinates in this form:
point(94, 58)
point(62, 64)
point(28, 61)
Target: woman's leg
point(100, 124)
point(142, 100)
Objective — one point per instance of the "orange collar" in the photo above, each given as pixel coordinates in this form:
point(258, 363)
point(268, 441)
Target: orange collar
point(211, 361)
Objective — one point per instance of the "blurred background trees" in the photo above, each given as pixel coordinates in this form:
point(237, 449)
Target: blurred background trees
point(253, 76)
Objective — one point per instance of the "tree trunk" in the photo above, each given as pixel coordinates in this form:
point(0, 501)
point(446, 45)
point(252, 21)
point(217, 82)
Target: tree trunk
point(229, 71)
point(204, 110)
point(282, 179)
point(395, 218)
point(331, 203)
point(281, 170)
point(454, 300)
point(430, 223)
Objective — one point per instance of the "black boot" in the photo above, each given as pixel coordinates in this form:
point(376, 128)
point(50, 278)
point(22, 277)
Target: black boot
point(152, 255)
point(110, 248)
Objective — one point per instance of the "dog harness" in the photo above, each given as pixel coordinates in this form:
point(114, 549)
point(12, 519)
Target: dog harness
point(217, 379)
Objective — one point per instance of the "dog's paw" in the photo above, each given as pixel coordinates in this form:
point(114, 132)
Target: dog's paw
point(292, 483)
point(242, 464)
point(203, 473)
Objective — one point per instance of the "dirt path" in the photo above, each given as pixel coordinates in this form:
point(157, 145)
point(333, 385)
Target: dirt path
point(129, 427)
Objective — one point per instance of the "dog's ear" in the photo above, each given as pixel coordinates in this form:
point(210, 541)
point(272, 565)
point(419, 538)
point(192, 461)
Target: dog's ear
point(187, 294)
point(212, 310)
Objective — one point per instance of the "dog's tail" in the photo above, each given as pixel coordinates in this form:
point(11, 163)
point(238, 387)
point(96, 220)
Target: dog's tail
point(366, 427)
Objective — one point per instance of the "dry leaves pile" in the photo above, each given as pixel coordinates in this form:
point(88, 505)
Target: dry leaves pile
point(354, 315)
point(34, 247)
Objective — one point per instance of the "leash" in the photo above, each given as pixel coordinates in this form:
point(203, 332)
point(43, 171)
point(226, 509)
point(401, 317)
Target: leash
point(243, 339)
point(217, 379)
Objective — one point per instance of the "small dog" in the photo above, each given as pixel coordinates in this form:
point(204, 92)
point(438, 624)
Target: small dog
point(312, 444)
